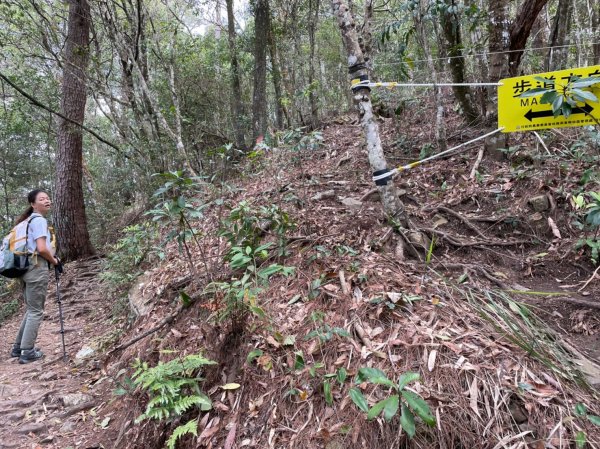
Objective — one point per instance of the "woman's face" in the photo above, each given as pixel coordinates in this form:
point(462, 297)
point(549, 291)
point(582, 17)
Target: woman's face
point(42, 203)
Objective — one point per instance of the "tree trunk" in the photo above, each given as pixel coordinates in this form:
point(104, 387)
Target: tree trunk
point(520, 31)
point(236, 91)
point(557, 57)
point(356, 65)
point(313, 7)
point(423, 41)
point(259, 96)
point(69, 214)
point(595, 25)
point(451, 29)
point(280, 109)
point(499, 42)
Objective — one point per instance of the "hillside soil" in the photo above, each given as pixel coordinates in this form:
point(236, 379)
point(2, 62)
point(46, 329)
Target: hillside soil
point(503, 235)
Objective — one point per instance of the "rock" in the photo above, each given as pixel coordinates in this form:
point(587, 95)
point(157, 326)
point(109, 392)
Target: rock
point(17, 416)
point(438, 221)
point(84, 353)
point(539, 203)
point(323, 195)
point(494, 145)
point(48, 439)
point(50, 375)
point(68, 427)
point(538, 223)
point(139, 304)
point(351, 203)
point(26, 429)
point(419, 240)
point(72, 399)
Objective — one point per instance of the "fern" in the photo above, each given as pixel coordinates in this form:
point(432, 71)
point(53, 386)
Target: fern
point(189, 427)
point(174, 389)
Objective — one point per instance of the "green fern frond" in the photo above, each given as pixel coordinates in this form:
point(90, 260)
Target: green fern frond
point(191, 427)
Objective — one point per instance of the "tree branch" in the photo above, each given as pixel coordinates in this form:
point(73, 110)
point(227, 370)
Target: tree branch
point(58, 114)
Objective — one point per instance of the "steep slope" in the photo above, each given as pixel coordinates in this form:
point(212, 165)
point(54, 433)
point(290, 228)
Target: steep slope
point(289, 351)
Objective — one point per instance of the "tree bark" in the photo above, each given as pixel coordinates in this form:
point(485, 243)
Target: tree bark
point(313, 17)
point(393, 207)
point(499, 42)
point(452, 33)
point(280, 110)
point(596, 33)
point(557, 57)
point(520, 31)
point(236, 91)
point(423, 41)
point(259, 96)
point(69, 214)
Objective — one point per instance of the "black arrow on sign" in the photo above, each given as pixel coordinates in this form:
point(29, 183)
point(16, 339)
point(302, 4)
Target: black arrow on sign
point(539, 114)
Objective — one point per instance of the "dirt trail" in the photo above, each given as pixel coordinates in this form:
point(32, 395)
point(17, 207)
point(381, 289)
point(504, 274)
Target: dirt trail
point(43, 404)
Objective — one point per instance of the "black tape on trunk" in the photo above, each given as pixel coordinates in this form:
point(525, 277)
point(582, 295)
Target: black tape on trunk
point(358, 80)
point(356, 67)
point(382, 181)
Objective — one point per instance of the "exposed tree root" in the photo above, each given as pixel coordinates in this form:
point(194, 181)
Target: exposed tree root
point(463, 219)
point(476, 269)
point(168, 319)
point(590, 279)
point(476, 243)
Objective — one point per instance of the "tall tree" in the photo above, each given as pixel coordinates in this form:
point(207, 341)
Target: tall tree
point(595, 19)
point(69, 216)
point(559, 38)
point(357, 68)
point(520, 30)
point(454, 50)
point(313, 18)
point(259, 95)
point(280, 109)
point(236, 91)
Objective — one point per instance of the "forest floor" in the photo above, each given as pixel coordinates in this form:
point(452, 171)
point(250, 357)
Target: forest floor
point(501, 322)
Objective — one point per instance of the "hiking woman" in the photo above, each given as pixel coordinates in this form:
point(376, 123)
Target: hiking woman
point(35, 281)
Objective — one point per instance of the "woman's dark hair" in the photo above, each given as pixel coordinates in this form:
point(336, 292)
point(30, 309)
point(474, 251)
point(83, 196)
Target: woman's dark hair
point(31, 197)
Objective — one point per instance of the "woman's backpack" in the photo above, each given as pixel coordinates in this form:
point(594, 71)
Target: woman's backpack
point(14, 256)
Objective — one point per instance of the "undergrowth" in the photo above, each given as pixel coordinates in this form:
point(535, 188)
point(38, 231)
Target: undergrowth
point(174, 390)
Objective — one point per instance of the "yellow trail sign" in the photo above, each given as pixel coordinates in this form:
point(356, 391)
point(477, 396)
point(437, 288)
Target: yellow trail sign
point(528, 114)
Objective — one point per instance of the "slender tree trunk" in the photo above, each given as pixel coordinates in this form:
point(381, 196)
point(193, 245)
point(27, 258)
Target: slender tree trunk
point(69, 214)
point(280, 109)
point(313, 8)
point(423, 40)
point(596, 31)
point(557, 57)
point(259, 96)
point(452, 33)
point(357, 69)
point(499, 42)
point(236, 91)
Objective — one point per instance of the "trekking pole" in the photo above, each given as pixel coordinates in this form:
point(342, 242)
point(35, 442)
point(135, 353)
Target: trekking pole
point(60, 315)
